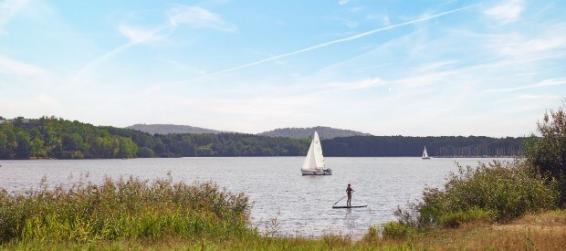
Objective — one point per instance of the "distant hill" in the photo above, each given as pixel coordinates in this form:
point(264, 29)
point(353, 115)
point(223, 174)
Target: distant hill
point(323, 132)
point(50, 137)
point(170, 129)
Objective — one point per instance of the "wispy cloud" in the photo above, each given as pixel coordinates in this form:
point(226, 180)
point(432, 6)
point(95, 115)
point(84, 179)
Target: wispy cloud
point(541, 84)
point(137, 34)
point(343, 2)
point(192, 16)
point(134, 37)
point(198, 17)
point(506, 12)
point(357, 85)
point(515, 45)
point(9, 8)
point(342, 40)
point(13, 67)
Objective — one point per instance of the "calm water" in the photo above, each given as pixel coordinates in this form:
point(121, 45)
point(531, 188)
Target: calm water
point(301, 204)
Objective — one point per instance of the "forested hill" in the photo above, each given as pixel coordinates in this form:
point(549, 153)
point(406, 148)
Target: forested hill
point(401, 146)
point(57, 138)
point(171, 129)
point(63, 139)
point(323, 132)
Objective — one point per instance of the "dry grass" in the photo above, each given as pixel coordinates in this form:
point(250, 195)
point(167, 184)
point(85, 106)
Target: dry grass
point(543, 231)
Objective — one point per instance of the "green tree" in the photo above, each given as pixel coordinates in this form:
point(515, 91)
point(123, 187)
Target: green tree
point(37, 148)
point(127, 148)
point(547, 154)
point(23, 148)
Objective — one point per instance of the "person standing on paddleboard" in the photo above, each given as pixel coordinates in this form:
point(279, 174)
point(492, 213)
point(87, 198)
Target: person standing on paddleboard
point(349, 191)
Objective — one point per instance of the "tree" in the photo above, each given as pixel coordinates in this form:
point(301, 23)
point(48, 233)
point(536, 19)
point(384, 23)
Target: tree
point(127, 148)
point(23, 148)
point(547, 154)
point(37, 148)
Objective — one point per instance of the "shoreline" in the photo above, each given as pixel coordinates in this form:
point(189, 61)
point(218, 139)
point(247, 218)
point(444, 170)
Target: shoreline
point(276, 156)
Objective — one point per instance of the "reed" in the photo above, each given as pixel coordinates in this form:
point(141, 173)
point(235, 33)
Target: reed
point(122, 209)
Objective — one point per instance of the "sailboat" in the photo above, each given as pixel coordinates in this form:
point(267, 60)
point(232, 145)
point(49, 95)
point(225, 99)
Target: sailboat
point(314, 161)
point(425, 154)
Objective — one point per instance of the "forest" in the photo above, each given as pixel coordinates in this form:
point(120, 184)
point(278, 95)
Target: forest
point(51, 137)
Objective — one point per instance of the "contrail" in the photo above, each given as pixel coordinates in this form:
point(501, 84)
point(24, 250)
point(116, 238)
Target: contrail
point(117, 50)
point(340, 40)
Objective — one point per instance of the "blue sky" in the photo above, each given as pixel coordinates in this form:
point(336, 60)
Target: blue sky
point(384, 67)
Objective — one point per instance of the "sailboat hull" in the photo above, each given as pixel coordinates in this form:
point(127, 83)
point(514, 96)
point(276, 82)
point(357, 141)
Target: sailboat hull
point(316, 172)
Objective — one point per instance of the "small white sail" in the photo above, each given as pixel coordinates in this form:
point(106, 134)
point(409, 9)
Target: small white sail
point(314, 159)
point(425, 154)
point(314, 162)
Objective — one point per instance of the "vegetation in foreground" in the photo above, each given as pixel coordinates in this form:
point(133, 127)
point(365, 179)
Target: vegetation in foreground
point(543, 231)
point(122, 210)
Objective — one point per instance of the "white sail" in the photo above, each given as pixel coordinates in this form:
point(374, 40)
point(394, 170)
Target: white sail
point(314, 159)
point(425, 154)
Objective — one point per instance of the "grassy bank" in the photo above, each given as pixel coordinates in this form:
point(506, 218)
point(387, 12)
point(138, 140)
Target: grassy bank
point(137, 215)
point(542, 231)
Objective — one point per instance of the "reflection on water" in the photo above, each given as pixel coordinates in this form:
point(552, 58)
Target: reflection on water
point(282, 199)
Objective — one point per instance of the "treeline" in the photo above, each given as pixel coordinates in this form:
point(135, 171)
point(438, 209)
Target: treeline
point(401, 146)
point(50, 137)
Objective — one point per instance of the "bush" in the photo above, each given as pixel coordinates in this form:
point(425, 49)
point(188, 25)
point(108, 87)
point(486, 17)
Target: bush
point(125, 209)
point(494, 191)
point(547, 154)
point(372, 235)
point(396, 230)
point(457, 218)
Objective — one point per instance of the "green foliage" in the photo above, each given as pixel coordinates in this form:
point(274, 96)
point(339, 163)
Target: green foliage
point(456, 218)
point(396, 230)
point(372, 235)
point(124, 209)
point(494, 191)
point(547, 154)
point(49, 137)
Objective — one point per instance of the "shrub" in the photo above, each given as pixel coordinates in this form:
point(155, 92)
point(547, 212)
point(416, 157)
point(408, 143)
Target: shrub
point(372, 235)
point(124, 209)
point(457, 218)
point(493, 191)
point(396, 230)
point(547, 154)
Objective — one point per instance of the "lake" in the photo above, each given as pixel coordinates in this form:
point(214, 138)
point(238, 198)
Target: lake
point(301, 205)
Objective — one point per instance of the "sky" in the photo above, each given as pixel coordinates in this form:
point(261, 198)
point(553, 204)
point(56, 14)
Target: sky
point(415, 68)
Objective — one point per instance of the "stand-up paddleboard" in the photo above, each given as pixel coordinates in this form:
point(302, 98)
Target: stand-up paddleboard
point(360, 206)
point(338, 207)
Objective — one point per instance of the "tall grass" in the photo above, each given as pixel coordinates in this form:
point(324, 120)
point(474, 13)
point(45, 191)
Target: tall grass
point(122, 209)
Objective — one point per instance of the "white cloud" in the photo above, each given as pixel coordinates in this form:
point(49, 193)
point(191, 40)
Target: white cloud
point(137, 34)
point(8, 9)
point(343, 2)
point(355, 85)
point(198, 17)
point(506, 12)
point(12, 67)
point(192, 16)
point(515, 45)
point(541, 84)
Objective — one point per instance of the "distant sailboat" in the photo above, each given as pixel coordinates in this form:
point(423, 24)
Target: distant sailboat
point(314, 161)
point(425, 154)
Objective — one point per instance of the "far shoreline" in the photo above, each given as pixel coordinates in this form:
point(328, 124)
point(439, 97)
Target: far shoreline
point(296, 156)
